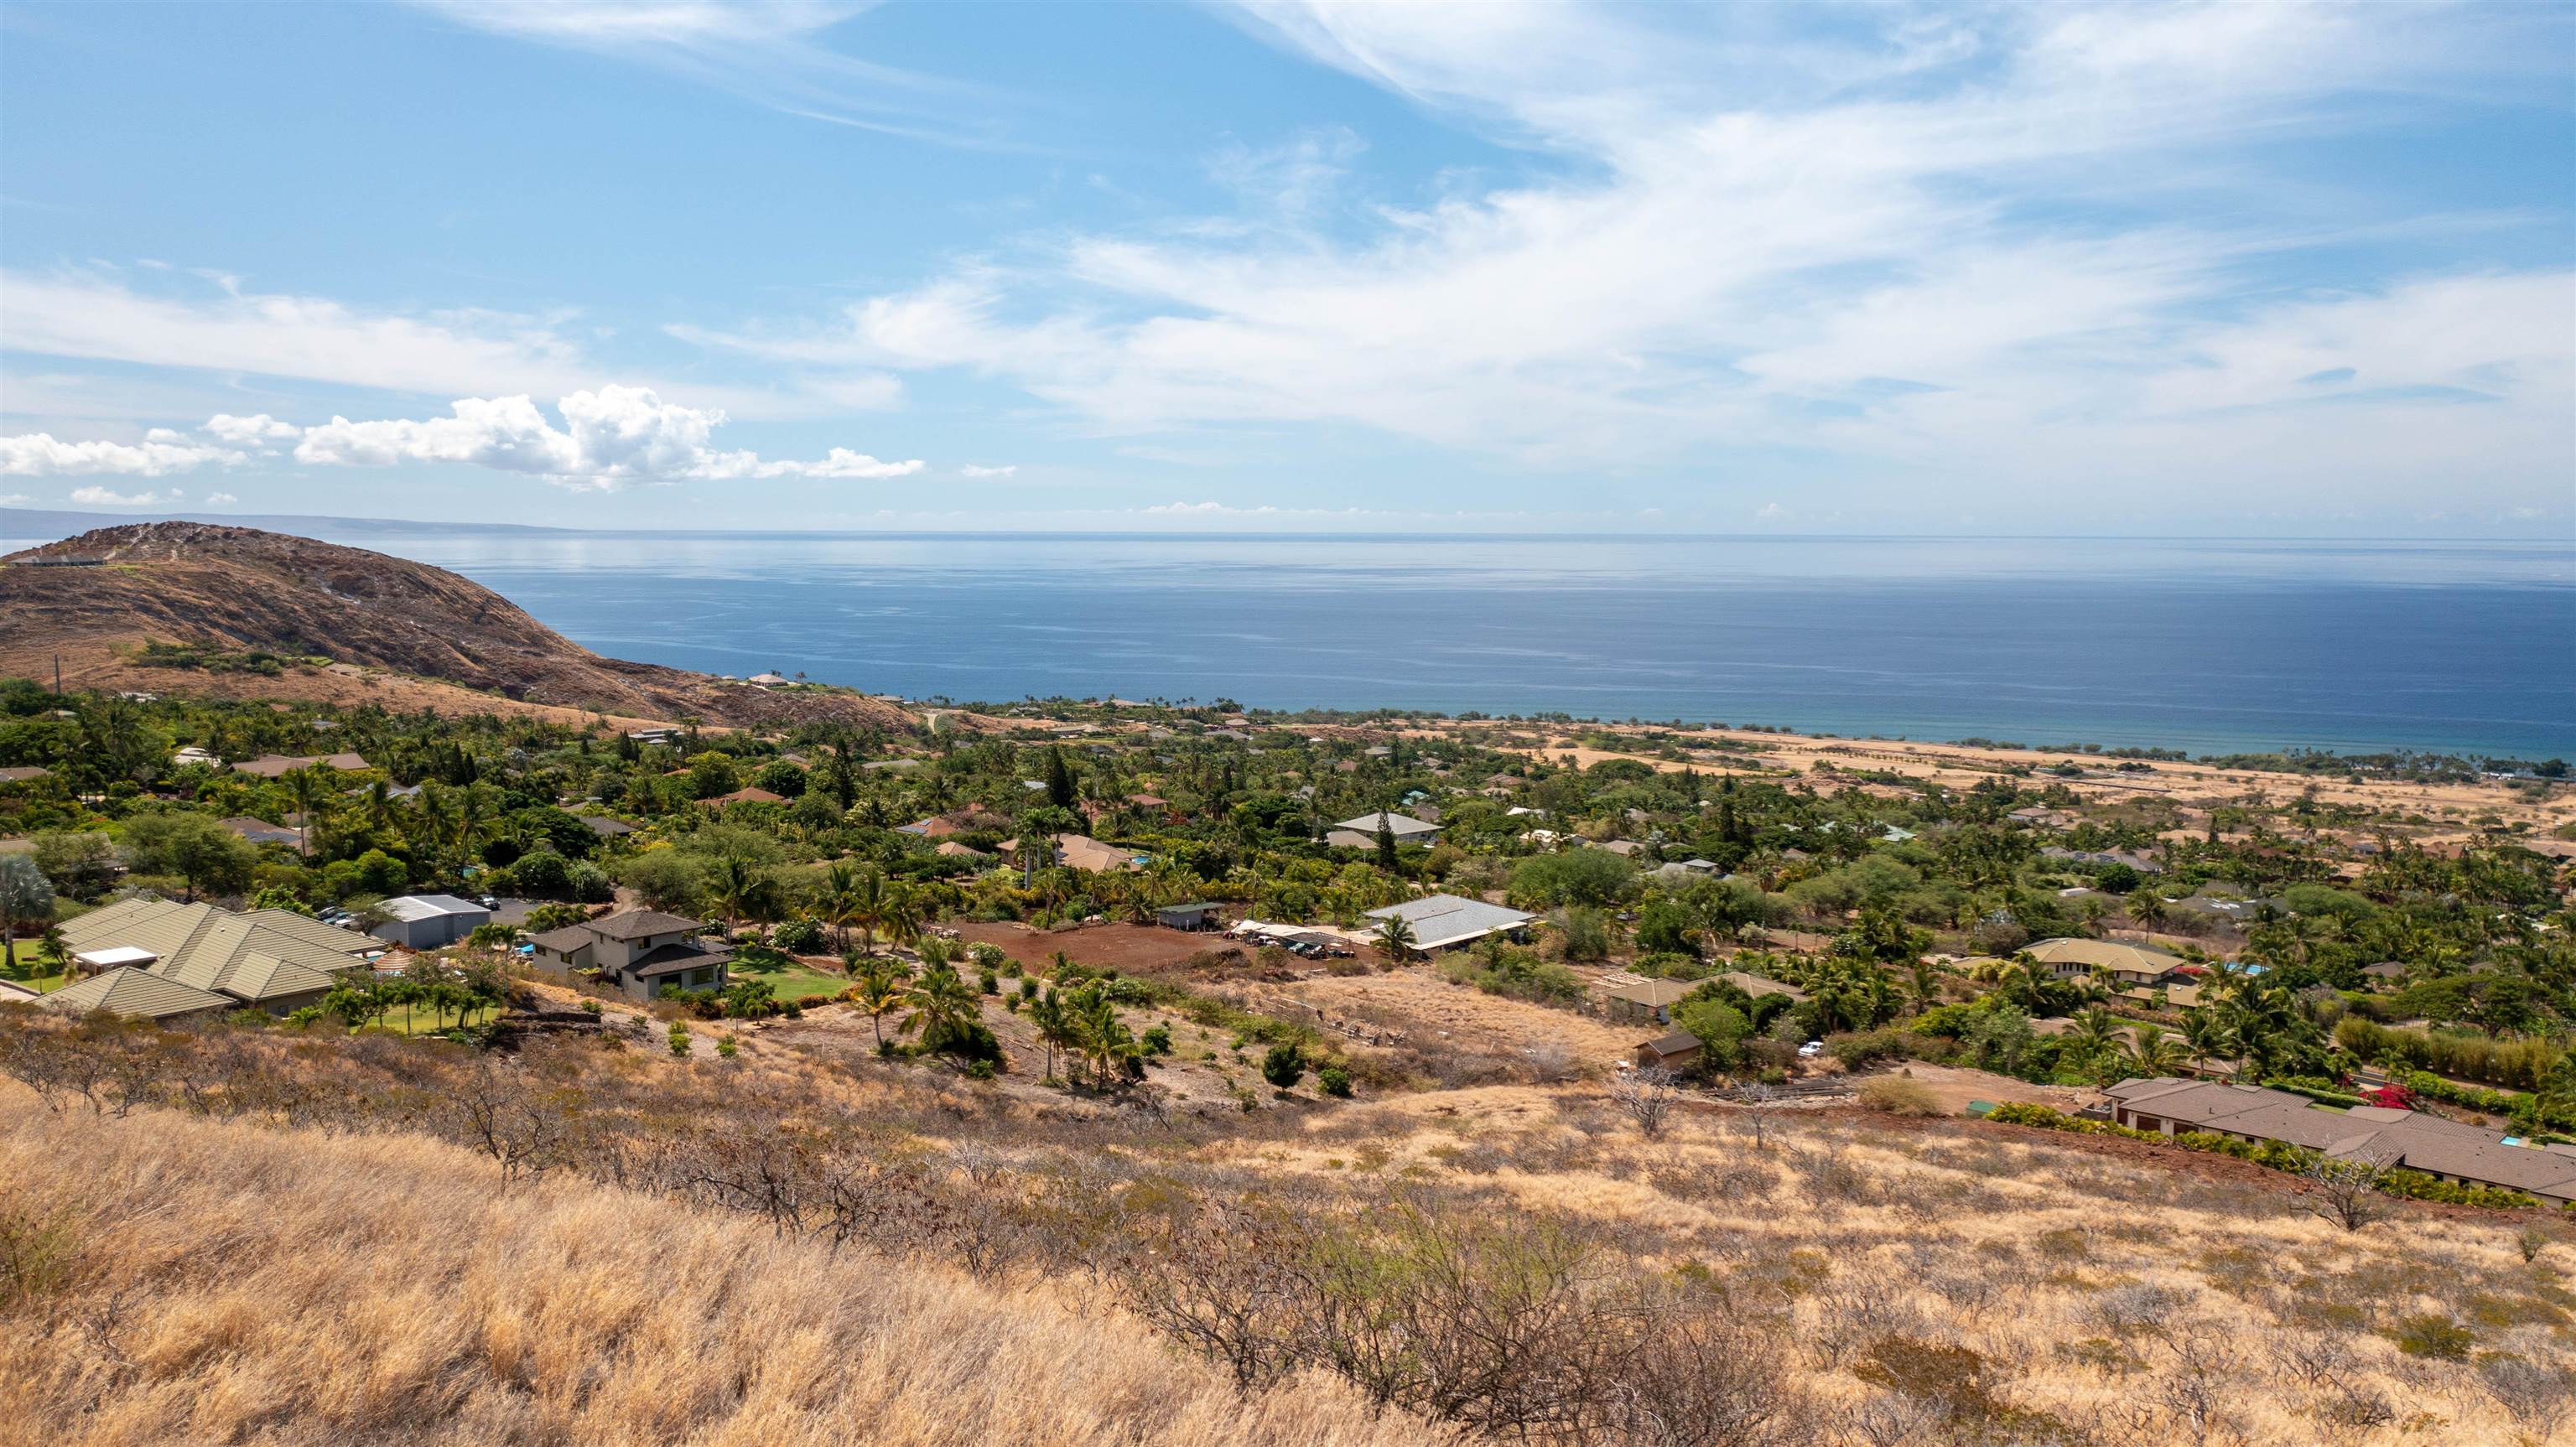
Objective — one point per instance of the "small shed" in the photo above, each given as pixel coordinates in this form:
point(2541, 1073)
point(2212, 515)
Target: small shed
point(1676, 1051)
point(1187, 916)
point(430, 921)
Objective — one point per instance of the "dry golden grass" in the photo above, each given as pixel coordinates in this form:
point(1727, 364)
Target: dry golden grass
point(175, 1281)
point(2123, 1304)
point(169, 1278)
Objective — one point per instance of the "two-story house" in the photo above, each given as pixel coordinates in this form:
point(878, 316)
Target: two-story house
point(637, 952)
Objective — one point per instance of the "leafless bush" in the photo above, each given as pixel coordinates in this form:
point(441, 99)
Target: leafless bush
point(1647, 1095)
point(2343, 1189)
point(1892, 1419)
point(2539, 1396)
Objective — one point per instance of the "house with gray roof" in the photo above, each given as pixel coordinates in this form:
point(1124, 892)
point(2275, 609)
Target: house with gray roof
point(429, 921)
point(1446, 921)
point(638, 952)
point(1360, 831)
point(2445, 1149)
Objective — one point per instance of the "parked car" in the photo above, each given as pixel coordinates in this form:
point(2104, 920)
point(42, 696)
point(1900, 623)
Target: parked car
point(1811, 1050)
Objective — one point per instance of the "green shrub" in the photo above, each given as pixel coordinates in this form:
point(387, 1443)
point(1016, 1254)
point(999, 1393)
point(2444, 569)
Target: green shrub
point(2437, 1337)
point(1284, 1064)
point(1334, 1080)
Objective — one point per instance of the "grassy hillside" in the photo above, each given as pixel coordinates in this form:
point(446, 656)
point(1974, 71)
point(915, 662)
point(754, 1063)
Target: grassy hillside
point(270, 1245)
point(196, 1281)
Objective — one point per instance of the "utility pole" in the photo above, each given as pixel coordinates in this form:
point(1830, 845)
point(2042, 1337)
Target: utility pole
point(58, 675)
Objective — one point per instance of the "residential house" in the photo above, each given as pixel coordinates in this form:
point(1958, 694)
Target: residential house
point(2386, 975)
point(1758, 986)
point(743, 796)
point(1623, 996)
point(24, 773)
point(638, 952)
point(260, 831)
point(430, 921)
point(1446, 921)
point(138, 994)
point(270, 959)
point(2444, 1149)
point(1676, 1051)
point(1360, 832)
point(1081, 851)
point(270, 766)
point(605, 827)
point(2129, 966)
point(1200, 916)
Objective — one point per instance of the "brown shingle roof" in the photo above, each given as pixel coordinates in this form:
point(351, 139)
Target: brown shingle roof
point(636, 924)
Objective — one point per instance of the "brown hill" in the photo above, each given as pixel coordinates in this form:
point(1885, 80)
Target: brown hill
point(98, 600)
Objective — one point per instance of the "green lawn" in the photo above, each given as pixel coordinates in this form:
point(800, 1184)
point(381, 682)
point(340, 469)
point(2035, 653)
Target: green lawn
point(26, 975)
point(412, 1020)
point(793, 982)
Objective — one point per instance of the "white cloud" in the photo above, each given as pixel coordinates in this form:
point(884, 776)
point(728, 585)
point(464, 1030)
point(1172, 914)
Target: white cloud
point(610, 438)
point(220, 499)
point(16, 499)
point(39, 454)
point(1990, 250)
point(974, 470)
point(101, 497)
point(249, 431)
point(769, 52)
point(219, 326)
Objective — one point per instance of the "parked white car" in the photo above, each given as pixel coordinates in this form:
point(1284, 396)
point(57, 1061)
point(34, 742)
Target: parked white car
point(1811, 1050)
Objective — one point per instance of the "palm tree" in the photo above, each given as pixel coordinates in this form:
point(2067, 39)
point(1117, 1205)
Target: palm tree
point(735, 889)
point(940, 1002)
point(903, 915)
point(867, 909)
point(2097, 1032)
point(1395, 936)
point(2146, 906)
point(835, 900)
point(1049, 1015)
point(1923, 985)
point(878, 988)
point(1106, 1043)
point(2149, 1053)
point(307, 788)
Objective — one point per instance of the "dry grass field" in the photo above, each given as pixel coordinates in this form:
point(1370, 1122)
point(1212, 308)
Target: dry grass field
point(800, 1247)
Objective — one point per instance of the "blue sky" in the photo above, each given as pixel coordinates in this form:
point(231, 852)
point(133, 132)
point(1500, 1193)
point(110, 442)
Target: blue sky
point(2157, 269)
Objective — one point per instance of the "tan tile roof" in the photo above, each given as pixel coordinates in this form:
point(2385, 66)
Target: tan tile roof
point(129, 991)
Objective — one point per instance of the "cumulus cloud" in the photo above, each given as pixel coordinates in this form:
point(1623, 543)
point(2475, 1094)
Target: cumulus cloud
point(40, 454)
point(219, 499)
point(610, 438)
point(975, 470)
point(101, 497)
point(249, 431)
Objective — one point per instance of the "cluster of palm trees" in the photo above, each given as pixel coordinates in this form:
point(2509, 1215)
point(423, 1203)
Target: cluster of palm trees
point(1083, 1022)
point(850, 897)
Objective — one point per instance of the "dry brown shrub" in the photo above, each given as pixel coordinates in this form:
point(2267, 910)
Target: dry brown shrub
point(1899, 1096)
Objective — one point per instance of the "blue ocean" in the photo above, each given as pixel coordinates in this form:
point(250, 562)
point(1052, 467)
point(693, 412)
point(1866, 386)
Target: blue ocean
point(2204, 646)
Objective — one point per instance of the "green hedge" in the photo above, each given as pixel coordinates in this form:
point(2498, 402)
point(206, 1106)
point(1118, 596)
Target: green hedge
point(2414, 1185)
point(2518, 1064)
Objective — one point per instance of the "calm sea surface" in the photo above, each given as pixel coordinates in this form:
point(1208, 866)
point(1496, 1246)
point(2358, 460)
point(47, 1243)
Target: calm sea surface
point(2191, 644)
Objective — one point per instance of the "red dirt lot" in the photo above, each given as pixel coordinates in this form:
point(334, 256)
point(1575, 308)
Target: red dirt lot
point(1125, 947)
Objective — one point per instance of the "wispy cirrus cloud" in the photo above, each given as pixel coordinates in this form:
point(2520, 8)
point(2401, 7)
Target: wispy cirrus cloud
point(771, 52)
point(215, 324)
point(1986, 246)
